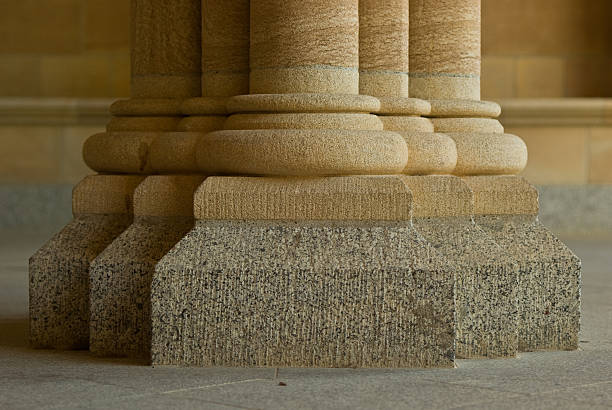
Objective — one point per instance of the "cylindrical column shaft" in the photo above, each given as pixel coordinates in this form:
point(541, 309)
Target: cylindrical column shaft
point(166, 47)
point(225, 48)
point(445, 49)
point(383, 73)
point(304, 114)
point(304, 46)
point(383, 47)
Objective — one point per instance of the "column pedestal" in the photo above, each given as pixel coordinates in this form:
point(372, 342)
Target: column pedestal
point(486, 276)
point(120, 277)
point(549, 279)
point(316, 272)
point(59, 271)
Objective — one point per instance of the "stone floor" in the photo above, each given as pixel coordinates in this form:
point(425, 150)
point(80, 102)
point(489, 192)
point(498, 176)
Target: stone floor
point(556, 380)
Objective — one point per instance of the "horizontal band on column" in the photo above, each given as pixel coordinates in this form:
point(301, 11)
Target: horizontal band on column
point(439, 196)
point(464, 108)
point(105, 194)
point(406, 123)
point(383, 83)
point(444, 86)
point(305, 102)
point(341, 121)
point(503, 195)
point(429, 153)
point(144, 107)
point(152, 124)
point(166, 86)
point(463, 124)
point(313, 79)
point(166, 195)
point(302, 152)
point(353, 198)
point(489, 154)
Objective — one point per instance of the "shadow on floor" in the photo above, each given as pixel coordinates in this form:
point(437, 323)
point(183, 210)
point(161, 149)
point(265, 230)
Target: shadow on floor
point(14, 333)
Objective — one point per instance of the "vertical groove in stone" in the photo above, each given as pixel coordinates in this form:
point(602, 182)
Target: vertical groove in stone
point(304, 46)
point(225, 48)
point(383, 47)
point(445, 49)
point(166, 48)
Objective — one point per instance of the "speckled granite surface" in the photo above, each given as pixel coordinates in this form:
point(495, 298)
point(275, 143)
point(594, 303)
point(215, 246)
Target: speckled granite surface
point(120, 297)
point(487, 285)
point(308, 294)
point(59, 280)
point(549, 281)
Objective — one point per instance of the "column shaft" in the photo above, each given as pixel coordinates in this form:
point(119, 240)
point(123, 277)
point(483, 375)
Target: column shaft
point(309, 46)
point(166, 48)
point(445, 49)
point(383, 47)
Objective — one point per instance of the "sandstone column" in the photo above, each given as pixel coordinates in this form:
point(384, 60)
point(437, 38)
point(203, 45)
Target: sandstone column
point(166, 69)
point(225, 73)
point(304, 115)
point(383, 73)
point(293, 246)
point(445, 70)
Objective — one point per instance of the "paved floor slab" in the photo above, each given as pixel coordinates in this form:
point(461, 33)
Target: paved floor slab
point(46, 379)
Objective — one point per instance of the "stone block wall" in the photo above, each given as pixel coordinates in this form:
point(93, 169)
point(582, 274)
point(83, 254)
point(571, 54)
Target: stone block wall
point(546, 48)
point(64, 48)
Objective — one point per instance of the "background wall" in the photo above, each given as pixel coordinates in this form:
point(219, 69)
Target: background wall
point(546, 48)
point(67, 48)
point(531, 48)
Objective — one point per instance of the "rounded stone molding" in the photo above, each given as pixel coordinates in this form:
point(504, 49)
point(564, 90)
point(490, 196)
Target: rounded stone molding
point(403, 106)
point(340, 121)
point(202, 123)
point(119, 152)
point(152, 124)
point(464, 108)
point(405, 122)
point(302, 152)
point(429, 153)
point(174, 152)
point(486, 125)
point(489, 154)
point(144, 107)
point(204, 106)
point(304, 102)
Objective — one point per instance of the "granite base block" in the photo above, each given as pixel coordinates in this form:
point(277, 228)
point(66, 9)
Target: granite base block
point(120, 283)
point(59, 280)
point(487, 286)
point(303, 294)
point(549, 281)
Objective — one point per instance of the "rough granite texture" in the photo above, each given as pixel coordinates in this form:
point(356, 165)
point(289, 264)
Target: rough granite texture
point(487, 286)
point(120, 283)
point(307, 294)
point(59, 280)
point(549, 281)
